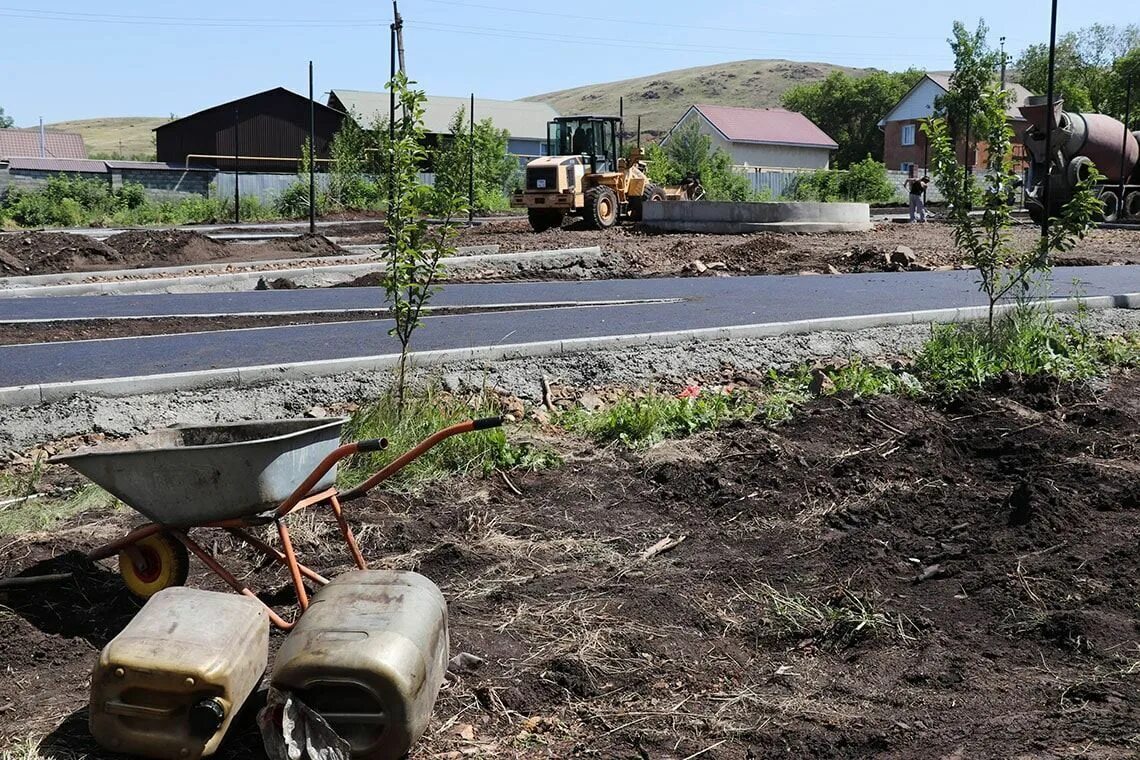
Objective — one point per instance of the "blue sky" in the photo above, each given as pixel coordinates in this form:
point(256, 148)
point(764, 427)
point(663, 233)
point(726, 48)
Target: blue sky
point(72, 59)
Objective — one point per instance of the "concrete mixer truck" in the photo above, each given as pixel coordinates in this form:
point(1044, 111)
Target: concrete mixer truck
point(1080, 142)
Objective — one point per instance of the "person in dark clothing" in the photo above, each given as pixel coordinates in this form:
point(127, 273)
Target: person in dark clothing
point(918, 198)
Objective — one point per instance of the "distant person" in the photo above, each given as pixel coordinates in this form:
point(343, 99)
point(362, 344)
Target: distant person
point(918, 198)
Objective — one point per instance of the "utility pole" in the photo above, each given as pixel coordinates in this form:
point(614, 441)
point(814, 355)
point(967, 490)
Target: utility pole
point(237, 156)
point(1049, 114)
point(1003, 62)
point(1124, 145)
point(471, 167)
point(312, 156)
point(391, 132)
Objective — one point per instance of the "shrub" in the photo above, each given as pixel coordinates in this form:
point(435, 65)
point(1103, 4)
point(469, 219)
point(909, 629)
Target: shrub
point(821, 186)
point(867, 182)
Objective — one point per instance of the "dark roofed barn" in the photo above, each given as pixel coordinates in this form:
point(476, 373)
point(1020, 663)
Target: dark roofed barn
point(272, 128)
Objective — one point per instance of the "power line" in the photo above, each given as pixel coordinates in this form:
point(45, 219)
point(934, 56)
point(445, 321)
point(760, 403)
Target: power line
point(663, 47)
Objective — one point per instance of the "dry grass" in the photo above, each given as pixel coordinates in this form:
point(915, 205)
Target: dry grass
point(127, 136)
point(660, 99)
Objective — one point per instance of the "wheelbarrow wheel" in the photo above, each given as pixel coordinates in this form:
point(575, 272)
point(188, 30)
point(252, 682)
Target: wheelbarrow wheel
point(156, 562)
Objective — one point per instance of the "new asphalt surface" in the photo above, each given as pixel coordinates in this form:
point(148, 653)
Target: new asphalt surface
point(707, 302)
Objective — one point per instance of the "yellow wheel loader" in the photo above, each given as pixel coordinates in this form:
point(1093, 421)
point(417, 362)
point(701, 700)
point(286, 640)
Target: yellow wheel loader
point(585, 176)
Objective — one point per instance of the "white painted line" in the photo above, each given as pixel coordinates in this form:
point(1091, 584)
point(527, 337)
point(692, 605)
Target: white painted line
point(243, 376)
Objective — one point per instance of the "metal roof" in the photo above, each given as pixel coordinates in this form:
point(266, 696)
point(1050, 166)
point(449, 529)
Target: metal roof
point(775, 126)
point(69, 165)
point(522, 119)
point(25, 143)
point(93, 166)
point(153, 166)
point(1020, 96)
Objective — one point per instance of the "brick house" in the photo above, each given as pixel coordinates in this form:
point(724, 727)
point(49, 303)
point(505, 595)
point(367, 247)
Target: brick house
point(904, 145)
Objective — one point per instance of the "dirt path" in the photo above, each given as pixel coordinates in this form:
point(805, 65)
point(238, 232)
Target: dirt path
point(877, 577)
point(636, 253)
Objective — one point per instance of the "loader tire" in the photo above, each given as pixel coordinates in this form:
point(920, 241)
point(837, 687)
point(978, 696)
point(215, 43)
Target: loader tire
point(601, 208)
point(651, 194)
point(543, 219)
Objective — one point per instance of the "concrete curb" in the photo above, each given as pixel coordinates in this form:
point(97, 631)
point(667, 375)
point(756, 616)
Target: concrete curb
point(308, 276)
point(30, 395)
point(353, 254)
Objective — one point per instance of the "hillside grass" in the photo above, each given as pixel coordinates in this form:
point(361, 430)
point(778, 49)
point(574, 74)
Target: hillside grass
point(119, 137)
point(661, 99)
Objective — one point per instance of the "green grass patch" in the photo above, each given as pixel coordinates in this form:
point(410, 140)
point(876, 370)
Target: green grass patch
point(837, 622)
point(478, 452)
point(1027, 343)
point(639, 422)
point(646, 420)
point(44, 513)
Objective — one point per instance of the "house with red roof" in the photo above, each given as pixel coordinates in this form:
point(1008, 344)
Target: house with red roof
point(762, 138)
point(32, 143)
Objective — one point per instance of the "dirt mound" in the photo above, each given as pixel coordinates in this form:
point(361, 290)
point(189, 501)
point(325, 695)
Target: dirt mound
point(149, 248)
point(314, 245)
point(50, 252)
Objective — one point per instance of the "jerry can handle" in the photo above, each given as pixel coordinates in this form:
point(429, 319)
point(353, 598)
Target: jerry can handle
point(114, 707)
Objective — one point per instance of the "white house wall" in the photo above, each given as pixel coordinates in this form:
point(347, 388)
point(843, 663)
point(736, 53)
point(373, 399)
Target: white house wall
point(762, 155)
point(920, 103)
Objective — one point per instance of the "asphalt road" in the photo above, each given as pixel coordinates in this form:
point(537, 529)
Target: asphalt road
point(704, 303)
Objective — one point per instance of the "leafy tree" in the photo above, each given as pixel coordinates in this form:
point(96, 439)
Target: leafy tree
point(974, 65)
point(849, 108)
point(495, 168)
point(864, 182)
point(1086, 73)
point(6, 122)
point(1003, 267)
point(351, 183)
point(690, 152)
point(415, 249)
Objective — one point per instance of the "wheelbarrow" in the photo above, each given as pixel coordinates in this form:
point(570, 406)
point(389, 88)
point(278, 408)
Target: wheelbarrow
point(232, 477)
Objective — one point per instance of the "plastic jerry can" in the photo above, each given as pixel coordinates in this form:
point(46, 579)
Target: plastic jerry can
point(369, 656)
point(169, 685)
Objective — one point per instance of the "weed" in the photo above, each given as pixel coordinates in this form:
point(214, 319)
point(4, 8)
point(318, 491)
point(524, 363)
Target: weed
point(837, 622)
point(481, 452)
point(40, 514)
point(644, 421)
point(1027, 343)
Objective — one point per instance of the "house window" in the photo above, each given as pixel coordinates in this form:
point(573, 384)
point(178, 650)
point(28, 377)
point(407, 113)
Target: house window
point(908, 134)
point(906, 167)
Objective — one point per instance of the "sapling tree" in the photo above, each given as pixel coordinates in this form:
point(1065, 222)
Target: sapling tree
point(1004, 267)
point(415, 249)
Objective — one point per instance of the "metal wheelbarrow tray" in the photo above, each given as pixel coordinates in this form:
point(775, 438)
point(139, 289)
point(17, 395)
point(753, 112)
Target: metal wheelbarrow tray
point(195, 474)
point(232, 477)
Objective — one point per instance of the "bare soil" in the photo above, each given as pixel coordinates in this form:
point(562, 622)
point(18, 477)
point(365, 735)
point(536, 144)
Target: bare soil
point(877, 577)
point(639, 253)
point(649, 253)
point(55, 252)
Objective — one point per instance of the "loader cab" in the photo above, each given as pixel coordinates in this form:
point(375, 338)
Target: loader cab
point(594, 138)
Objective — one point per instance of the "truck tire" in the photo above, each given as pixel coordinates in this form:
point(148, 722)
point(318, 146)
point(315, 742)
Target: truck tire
point(543, 219)
point(1131, 207)
point(1078, 170)
point(601, 208)
point(651, 194)
point(1111, 206)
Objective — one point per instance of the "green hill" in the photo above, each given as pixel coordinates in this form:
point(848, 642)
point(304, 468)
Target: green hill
point(120, 137)
point(660, 99)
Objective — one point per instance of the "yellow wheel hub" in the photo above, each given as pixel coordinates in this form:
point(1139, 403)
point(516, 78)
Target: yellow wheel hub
point(156, 562)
